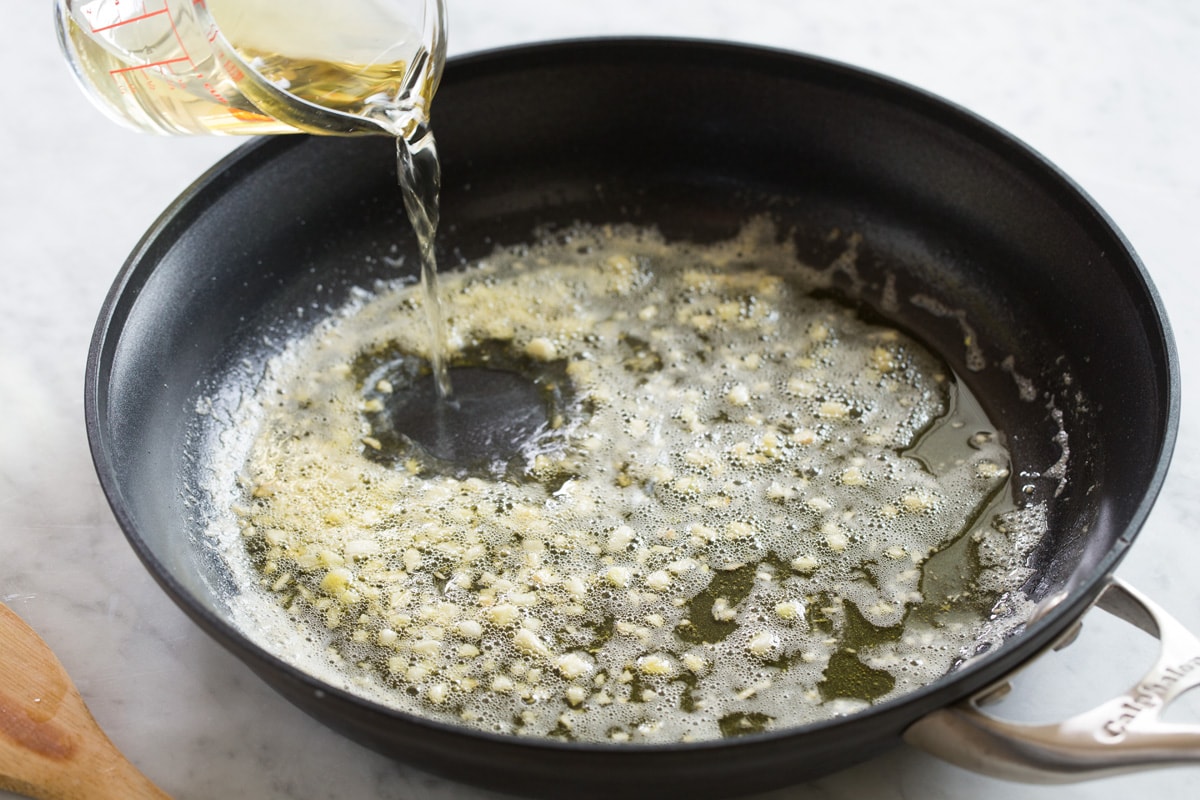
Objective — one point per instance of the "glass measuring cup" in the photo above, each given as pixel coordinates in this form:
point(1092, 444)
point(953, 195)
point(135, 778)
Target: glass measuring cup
point(257, 66)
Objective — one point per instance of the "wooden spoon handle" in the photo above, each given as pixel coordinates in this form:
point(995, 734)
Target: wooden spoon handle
point(50, 746)
point(120, 781)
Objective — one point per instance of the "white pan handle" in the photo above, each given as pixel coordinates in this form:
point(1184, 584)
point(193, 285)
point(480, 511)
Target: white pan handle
point(1121, 735)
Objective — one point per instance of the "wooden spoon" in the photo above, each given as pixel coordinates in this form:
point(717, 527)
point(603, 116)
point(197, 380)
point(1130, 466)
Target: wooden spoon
point(50, 747)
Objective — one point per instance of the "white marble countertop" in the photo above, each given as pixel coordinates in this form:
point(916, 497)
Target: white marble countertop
point(1105, 88)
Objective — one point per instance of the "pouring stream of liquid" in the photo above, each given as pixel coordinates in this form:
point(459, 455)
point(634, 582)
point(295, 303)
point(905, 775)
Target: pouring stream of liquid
point(420, 176)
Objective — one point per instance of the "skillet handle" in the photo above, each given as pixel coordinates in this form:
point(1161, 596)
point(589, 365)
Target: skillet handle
point(1121, 735)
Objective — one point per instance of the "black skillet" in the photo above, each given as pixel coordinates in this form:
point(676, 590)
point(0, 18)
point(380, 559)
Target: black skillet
point(694, 138)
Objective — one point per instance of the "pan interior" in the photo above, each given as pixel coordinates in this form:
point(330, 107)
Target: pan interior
point(742, 491)
point(489, 418)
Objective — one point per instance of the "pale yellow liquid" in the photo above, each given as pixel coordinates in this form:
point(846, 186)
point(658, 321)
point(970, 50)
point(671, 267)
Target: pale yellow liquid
point(162, 69)
point(162, 98)
point(419, 172)
point(166, 70)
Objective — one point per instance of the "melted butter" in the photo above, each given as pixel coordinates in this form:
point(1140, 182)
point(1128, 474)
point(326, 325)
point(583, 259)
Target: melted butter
point(748, 508)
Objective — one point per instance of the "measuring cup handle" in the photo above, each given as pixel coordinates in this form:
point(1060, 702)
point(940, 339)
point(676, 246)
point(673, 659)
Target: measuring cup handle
point(1123, 734)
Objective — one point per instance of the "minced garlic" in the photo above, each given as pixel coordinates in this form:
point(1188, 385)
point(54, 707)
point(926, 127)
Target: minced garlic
point(691, 532)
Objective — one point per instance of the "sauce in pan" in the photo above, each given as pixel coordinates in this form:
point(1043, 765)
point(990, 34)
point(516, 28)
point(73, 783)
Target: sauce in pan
point(719, 504)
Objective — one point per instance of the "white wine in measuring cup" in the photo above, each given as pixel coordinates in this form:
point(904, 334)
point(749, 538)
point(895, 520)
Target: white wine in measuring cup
point(276, 66)
point(257, 66)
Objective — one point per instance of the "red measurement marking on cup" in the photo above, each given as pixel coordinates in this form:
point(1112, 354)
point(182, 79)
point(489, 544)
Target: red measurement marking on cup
point(172, 81)
point(186, 58)
point(175, 30)
point(162, 63)
point(131, 20)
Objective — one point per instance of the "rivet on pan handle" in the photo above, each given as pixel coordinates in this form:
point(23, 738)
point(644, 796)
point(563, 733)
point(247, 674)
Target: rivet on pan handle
point(1120, 735)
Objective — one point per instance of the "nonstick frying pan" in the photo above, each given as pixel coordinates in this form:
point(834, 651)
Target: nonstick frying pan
point(998, 262)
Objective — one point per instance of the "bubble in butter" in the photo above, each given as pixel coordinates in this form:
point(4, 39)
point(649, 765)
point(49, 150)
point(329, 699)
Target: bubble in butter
point(748, 509)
